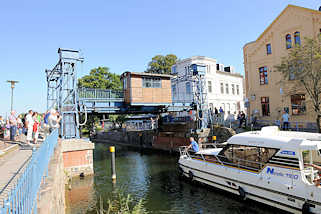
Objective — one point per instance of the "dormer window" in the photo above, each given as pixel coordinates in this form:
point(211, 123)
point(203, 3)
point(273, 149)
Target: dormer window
point(288, 41)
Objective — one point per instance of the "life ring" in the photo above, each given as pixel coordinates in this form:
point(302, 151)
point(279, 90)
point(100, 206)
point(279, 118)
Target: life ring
point(306, 208)
point(190, 175)
point(242, 193)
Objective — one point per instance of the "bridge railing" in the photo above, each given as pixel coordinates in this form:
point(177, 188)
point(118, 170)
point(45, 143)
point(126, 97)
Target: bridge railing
point(100, 94)
point(23, 197)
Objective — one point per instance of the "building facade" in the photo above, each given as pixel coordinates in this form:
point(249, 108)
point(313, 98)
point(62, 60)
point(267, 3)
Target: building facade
point(267, 92)
point(223, 87)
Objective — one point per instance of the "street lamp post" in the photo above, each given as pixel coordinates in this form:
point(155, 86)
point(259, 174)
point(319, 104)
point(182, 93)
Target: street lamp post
point(12, 87)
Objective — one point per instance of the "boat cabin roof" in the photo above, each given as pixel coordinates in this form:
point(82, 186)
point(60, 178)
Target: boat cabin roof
point(272, 137)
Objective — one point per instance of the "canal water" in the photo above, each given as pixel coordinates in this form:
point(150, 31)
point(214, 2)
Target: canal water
point(153, 178)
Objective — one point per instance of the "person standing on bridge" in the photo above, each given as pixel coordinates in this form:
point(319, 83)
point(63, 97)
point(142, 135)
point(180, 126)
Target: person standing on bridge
point(53, 120)
point(29, 125)
point(13, 125)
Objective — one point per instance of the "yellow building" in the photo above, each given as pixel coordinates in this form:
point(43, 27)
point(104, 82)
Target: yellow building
point(267, 96)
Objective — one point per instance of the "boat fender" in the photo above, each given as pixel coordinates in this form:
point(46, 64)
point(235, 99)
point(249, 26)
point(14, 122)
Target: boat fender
point(242, 193)
point(306, 208)
point(191, 175)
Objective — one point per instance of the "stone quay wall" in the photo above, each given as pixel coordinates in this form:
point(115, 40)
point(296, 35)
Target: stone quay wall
point(71, 158)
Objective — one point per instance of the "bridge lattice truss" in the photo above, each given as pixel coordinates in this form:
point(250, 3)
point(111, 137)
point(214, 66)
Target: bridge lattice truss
point(62, 91)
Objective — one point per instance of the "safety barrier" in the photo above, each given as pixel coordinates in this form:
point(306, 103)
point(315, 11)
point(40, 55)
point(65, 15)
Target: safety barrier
point(23, 197)
point(293, 125)
point(100, 94)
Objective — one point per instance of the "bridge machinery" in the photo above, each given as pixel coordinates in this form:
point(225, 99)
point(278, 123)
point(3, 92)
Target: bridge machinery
point(62, 91)
point(199, 101)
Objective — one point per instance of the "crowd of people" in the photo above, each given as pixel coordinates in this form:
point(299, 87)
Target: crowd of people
point(29, 124)
point(230, 117)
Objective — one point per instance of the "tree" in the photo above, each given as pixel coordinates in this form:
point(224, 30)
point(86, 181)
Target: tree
point(118, 119)
point(100, 78)
point(302, 66)
point(161, 64)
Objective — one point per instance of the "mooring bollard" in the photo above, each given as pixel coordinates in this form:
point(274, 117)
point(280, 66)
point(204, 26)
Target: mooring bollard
point(113, 164)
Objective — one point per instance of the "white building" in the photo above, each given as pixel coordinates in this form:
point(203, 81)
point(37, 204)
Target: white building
point(224, 87)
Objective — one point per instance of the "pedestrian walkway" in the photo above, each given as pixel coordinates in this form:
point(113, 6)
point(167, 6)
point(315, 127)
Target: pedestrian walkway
point(11, 166)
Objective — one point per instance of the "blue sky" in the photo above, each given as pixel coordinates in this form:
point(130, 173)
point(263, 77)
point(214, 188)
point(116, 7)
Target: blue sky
point(122, 35)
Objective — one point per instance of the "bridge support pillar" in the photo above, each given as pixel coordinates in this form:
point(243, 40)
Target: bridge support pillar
point(78, 157)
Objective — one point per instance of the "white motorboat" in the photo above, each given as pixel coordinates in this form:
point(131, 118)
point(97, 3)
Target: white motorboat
point(269, 166)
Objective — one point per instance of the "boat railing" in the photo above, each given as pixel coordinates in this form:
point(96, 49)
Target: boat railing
point(223, 160)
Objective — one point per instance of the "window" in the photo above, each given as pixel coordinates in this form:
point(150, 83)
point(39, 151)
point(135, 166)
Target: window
point(226, 88)
point(209, 84)
point(222, 88)
point(268, 49)
point(246, 157)
point(263, 75)
point(174, 70)
point(297, 39)
point(298, 104)
point(147, 82)
point(288, 41)
point(188, 88)
point(157, 83)
point(233, 89)
point(125, 83)
point(265, 106)
point(174, 89)
point(237, 89)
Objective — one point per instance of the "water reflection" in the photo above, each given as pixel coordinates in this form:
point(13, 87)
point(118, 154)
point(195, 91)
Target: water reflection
point(154, 178)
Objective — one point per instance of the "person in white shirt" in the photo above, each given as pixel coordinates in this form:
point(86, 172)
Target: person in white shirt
point(285, 119)
point(53, 120)
point(29, 125)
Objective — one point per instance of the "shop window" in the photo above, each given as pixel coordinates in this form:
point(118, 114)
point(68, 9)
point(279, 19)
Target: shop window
point(298, 104)
point(268, 49)
point(265, 103)
point(288, 41)
point(263, 75)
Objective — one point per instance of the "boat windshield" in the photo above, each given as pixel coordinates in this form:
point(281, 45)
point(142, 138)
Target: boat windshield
point(311, 157)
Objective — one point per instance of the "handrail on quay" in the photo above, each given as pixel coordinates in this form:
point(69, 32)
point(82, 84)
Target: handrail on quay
point(23, 197)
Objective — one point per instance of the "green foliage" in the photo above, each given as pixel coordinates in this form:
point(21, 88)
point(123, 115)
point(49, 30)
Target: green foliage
point(100, 78)
point(119, 203)
point(302, 66)
point(161, 64)
point(118, 119)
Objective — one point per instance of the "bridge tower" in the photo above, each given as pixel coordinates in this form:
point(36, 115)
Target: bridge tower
point(62, 91)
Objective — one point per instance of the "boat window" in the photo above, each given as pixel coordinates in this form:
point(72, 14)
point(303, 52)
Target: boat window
point(246, 157)
point(311, 157)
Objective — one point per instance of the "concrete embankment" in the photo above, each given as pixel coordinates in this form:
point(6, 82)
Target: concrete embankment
point(71, 158)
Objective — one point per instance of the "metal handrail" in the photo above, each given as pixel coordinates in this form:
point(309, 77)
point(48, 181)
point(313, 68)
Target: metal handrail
point(100, 94)
point(23, 197)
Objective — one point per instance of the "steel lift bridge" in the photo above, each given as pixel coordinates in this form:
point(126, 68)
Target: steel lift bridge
point(64, 96)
